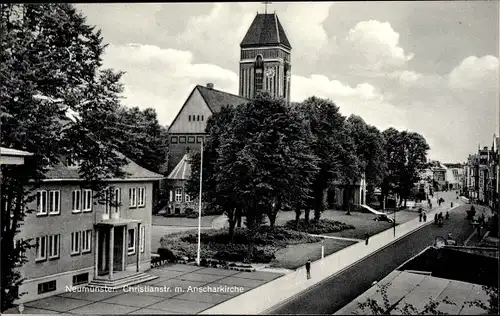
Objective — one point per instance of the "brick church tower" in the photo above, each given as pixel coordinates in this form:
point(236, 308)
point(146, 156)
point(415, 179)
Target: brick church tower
point(265, 59)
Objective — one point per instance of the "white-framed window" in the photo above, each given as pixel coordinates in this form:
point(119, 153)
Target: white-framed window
point(41, 248)
point(178, 195)
point(87, 200)
point(41, 202)
point(75, 243)
point(117, 199)
point(187, 198)
point(76, 201)
point(131, 241)
point(142, 197)
point(132, 197)
point(86, 241)
point(53, 246)
point(171, 195)
point(54, 202)
point(143, 237)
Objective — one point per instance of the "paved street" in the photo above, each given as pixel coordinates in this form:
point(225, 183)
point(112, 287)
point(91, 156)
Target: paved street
point(329, 296)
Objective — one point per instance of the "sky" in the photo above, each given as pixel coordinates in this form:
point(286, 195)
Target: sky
point(427, 67)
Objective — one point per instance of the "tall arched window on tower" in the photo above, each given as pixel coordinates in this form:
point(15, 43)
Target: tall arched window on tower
point(259, 73)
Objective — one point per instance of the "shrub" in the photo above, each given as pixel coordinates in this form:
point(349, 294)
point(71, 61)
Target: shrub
point(166, 254)
point(216, 243)
point(323, 226)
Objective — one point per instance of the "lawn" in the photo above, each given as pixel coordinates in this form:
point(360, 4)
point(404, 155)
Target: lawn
point(291, 249)
point(363, 222)
point(295, 256)
point(216, 245)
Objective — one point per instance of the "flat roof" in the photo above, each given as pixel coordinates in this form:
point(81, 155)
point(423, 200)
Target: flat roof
point(417, 289)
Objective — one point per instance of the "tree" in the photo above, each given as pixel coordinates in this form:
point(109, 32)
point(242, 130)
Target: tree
point(264, 160)
point(333, 147)
point(51, 63)
point(142, 137)
point(406, 154)
point(213, 195)
point(369, 150)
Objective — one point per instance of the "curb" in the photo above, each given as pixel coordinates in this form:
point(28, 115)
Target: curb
point(266, 312)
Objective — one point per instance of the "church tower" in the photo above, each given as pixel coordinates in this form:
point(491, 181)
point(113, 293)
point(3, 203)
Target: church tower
point(265, 58)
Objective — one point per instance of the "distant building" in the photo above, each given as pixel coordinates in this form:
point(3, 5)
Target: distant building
point(439, 177)
point(80, 240)
point(187, 130)
point(339, 195)
point(454, 175)
point(179, 201)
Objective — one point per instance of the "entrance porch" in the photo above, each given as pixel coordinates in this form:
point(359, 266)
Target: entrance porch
point(112, 244)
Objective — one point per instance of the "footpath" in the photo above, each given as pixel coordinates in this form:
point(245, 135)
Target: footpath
point(265, 297)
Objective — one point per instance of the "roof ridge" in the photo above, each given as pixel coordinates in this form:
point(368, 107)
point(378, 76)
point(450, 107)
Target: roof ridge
point(228, 93)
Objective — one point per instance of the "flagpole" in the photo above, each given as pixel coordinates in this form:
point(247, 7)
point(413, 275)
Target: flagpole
point(199, 207)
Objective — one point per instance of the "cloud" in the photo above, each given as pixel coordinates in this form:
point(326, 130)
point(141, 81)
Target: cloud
point(370, 48)
point(475, 73)
point(456, 110)
point(163, 78)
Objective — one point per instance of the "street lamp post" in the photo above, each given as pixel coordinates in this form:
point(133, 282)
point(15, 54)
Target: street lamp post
point(199, 207)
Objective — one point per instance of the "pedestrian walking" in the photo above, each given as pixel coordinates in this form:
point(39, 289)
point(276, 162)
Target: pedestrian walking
point(435, 219)
point(447, 216)
point(449, 236)
point(451, 204)
point(308, 268)
point(425, 217)
point(420, 216)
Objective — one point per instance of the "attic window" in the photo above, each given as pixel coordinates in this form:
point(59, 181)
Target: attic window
point(198, 118)
point(189, 118)
point(202, 117)
point(174, 140)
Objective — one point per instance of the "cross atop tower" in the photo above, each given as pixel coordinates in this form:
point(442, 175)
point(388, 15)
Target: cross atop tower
point(266, 3)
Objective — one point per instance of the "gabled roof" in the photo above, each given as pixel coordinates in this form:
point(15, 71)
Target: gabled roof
point(182, 171)
point(265, 30)
point(217, 99)
point(133, 172)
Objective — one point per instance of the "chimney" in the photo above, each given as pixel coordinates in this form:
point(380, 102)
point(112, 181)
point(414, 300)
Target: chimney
point(210, 85)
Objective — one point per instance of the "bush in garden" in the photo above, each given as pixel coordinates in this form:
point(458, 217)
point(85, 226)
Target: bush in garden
point(323, 226)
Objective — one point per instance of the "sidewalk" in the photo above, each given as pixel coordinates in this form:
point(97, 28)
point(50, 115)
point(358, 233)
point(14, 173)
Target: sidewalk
point(263, 298)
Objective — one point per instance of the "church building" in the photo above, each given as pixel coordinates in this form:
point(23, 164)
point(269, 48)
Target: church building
point(264, 67)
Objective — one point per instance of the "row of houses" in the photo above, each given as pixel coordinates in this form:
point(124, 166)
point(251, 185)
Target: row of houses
point(481, 175)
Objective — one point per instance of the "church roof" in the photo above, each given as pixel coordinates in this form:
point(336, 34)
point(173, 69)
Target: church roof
point(182, 171)
point(266, 29)
point(217, 99)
